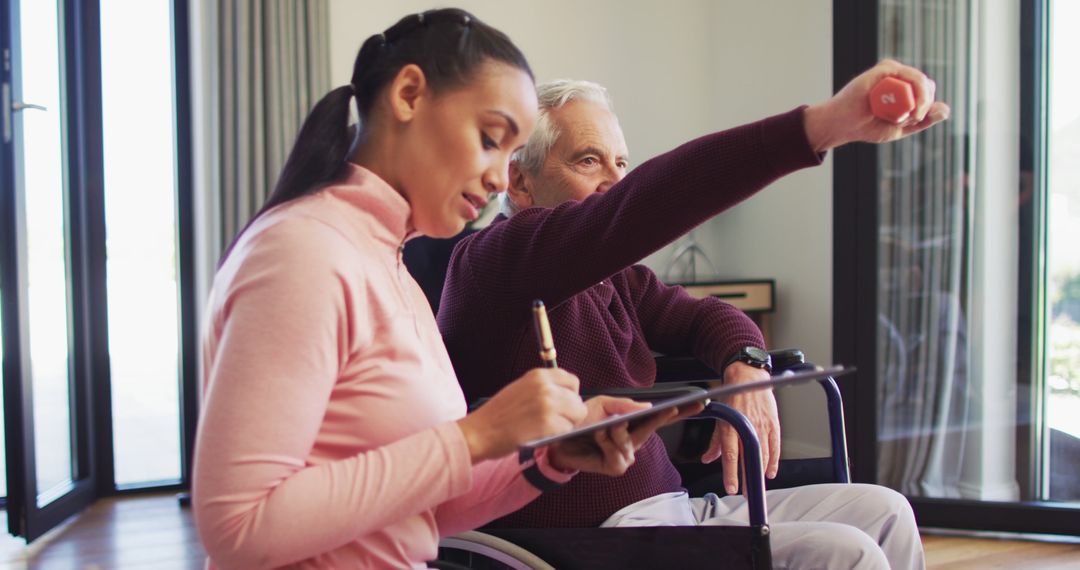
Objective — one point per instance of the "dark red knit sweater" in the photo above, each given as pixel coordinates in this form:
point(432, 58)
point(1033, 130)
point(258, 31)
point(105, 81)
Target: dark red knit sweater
point(606, 314)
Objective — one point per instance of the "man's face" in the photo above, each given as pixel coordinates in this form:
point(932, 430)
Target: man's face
point(589, 156)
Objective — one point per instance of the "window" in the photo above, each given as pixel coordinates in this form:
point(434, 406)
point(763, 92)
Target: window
point(1062, 295)
point(141, 234)
point(952, 287)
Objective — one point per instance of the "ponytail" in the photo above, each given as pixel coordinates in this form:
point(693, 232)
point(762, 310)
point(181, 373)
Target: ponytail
point(319, 154)
point(317, 157)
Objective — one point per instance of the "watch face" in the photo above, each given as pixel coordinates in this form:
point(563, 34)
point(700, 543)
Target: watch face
point(757, 354)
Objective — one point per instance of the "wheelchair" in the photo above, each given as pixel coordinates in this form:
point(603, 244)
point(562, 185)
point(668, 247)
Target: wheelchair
point(739, 547)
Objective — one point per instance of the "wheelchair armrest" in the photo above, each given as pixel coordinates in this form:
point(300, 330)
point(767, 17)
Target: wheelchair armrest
point(684, 368)
point(671, 368)
point(675, 368)
point(837, 431)
point(787, 359)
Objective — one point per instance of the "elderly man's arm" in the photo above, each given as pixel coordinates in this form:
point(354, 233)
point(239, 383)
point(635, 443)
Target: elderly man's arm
point(713, 331)
point(673, 322)
point(584, 242)
point(556, 253)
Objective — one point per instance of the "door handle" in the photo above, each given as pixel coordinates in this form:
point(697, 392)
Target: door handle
point(19, 106)
point(5, 108)
point(9, 107)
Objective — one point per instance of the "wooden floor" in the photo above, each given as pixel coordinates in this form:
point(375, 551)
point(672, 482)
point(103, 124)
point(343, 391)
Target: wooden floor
point(143, 532)
point(960, 553)
point(155, 532)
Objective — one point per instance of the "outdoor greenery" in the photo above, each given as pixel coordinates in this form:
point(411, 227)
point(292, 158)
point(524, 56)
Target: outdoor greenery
point(1063, 357)
point(1063, 354)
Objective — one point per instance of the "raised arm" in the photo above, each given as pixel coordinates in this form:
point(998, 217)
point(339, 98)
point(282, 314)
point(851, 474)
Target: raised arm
point(555, 253)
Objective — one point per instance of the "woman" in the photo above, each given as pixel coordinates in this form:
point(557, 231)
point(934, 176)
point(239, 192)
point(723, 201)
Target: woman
point(333, 431)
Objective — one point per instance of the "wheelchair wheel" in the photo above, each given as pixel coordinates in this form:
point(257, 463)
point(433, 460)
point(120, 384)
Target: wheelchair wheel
point(478, 551)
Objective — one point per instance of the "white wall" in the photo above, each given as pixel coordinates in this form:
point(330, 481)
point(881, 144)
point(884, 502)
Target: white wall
point(678, 69)
point(775, 55)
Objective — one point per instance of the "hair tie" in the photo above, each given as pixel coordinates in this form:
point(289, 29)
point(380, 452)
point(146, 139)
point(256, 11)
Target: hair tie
point(420, 18)
point(463, 41)
point(352, 88)
point(382, 39)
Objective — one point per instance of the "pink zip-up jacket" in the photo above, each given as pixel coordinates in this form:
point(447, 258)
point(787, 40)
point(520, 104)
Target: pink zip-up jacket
point(327, 437)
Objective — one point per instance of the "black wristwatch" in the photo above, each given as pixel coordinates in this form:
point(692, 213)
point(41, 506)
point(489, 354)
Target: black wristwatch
point(753, 356)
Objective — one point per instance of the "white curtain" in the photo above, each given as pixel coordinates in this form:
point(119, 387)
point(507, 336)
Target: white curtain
point(265, 64)
point(924, 386)
point(257, 67)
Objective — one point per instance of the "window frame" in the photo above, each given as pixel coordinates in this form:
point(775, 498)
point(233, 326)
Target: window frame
point(84, 246)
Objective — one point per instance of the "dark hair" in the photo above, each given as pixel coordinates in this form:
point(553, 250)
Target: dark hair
point(448, 44)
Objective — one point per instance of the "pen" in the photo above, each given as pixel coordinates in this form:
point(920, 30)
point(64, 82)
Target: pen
point(543, 335)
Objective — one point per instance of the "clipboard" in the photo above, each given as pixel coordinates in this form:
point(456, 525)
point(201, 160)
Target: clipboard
point(784, 379)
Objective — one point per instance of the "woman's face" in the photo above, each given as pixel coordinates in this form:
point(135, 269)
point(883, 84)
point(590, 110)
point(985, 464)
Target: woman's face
point(460, 146)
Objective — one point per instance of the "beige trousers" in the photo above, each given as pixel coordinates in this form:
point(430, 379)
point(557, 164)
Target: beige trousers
point(815, 527)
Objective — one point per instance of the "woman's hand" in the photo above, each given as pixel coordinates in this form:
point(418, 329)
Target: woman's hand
point(543, 402)
point(846, 117)
point(609, 451)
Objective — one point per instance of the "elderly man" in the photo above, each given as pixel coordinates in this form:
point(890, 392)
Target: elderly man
point(574, 224)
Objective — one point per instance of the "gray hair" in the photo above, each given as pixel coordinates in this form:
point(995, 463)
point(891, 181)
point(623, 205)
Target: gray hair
point(552, 95)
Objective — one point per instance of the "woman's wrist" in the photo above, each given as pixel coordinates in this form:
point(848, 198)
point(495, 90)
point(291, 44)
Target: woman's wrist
point(479, 448)
point(554, 461)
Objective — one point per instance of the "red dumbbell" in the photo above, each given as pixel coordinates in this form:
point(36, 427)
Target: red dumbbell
point(892, 100)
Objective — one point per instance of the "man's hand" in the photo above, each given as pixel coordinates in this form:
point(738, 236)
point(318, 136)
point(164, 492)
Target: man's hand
point(847, 117)
point(759, 406)
point(608, 451)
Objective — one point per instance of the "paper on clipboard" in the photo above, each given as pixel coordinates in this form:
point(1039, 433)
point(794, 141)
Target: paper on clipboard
point(711, 394)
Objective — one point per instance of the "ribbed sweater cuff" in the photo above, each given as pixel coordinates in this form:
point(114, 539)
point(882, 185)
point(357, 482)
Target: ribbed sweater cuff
point(786, 144)
point(548, 471)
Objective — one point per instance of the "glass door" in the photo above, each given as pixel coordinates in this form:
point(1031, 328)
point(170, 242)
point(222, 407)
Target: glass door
point(977, 399)
point(46, 403)
point(98, 351)
point(955, 282)
point(1062, 310)
point(140, 173)
point(932, 374)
